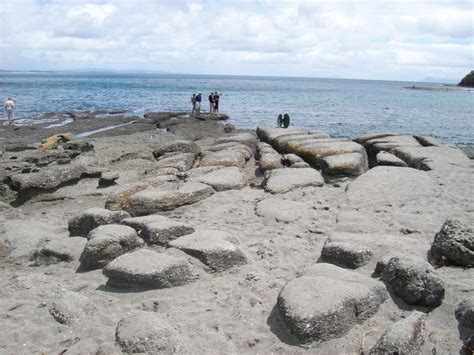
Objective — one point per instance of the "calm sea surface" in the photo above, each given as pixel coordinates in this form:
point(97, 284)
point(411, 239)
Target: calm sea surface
point(342, 108)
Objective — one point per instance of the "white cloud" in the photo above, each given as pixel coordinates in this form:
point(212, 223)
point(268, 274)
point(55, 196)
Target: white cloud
point(393, 40)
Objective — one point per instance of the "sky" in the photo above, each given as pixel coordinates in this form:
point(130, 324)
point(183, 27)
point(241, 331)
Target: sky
point(378, 39)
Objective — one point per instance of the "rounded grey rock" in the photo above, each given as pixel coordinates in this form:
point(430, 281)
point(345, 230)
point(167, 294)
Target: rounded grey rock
point(92, 218)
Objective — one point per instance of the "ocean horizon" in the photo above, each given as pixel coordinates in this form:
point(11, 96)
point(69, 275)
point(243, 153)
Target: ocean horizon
point(339, 107)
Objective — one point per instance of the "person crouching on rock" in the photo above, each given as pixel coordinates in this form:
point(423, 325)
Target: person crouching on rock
point(9, 107)
point(193, 102)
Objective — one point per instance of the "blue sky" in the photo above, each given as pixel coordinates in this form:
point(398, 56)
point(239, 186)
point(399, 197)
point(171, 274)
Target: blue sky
point(395, 40)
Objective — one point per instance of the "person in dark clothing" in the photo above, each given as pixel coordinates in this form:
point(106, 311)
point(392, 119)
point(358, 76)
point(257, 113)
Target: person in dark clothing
point(193, 102)
point(211, 103)
point(198, 103)
point(216, 104)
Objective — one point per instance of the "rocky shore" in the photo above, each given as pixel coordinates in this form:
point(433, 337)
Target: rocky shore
point(166, 233)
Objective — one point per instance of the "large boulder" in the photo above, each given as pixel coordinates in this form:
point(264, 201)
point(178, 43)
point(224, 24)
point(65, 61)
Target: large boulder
point(155, 229)
point(455, 242)
point(348, 164)
point(230, 178)
point(403, 337)
point(414, 281)
point(57, 250)
point(180, 162)
point(268, 134)
point(243, 138)
point(345, 254)
point(442, 158)
point(152, 200)
point(92, 218)
point(224, 158)
point(212, 247)
point(281, 210)
point(294, 161)
point(106, 243)
point(388, 159)
point(327, 301)
point(284, 180)
point(465, 312)
point(147, 332)
point(149, 269)
point(269, 157)
point(69, 307)
point(177, 146)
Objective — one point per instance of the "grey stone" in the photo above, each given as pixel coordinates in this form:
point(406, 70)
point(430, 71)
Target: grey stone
point(352, 164)
point(243, 149)
point(224, 158)
point(92, 218)
point(281, 210)
point(108, 179)
point(177, 146)
point(152, 200)
point(455, 242)
point(180, 162)
point(78, 145)
point(147, 332)
point(414, 281)
point(468, 347)
point(269, 157)
point(69, 307)
point(388, 143)
point(294, 161)
point(369, 136)
point(347, 255)
point(403, 337)
point(106, 243)
point(230, 178)
point(385, 158)
point(155, 229)
point(149, 269)
point(57, 250)
point(212, 248)
point(284, 180)
point(427, 141)
point(327, 301)
point(268, 134)
point(243, 138)
point(442, 158)
point(465, 312)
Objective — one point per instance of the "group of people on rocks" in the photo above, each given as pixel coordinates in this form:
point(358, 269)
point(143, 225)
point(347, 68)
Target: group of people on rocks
point(213, 104)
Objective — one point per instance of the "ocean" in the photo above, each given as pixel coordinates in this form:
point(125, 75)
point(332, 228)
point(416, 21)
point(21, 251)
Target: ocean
point(340, 107)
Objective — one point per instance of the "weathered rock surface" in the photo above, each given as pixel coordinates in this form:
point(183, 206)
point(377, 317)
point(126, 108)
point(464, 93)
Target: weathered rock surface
point(243, 138)
point(455, 242)
point(69, 307)
point(149, 269)
point(269, 157)
point(57, 250)
point(432, 158)
point(154, 200)
point(106, 243)
point(388, 159)
point(327, 301)
point(212, 248)
point(177, 146)
point(347, 255)
point(92, 218)
point(243, 149)
point(348, 164)
point(224, 158)
point(414, 281)
point(294, 161)
point(285, 211)
point(230, 178)
point(180, 162)
point(147, 332)
point(403, 337)
point(108, 179)
point(155, 229)
point(284, 180)
point(465, 312)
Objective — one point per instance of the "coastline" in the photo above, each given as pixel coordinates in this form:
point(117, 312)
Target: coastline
point(281, 224)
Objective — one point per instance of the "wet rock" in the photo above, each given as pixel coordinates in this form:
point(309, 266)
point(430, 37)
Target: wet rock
point(269, 157)
point(153, 200)
point(212, 248)
point(106, 243)
point(327, 301)
point(284, 180)
point(385, 158)
point(403, 337)
point(230, 178)
point(280, 210)
point(414, 281)
point(224, 158)
point(178, 146)
point(181, 161)
point(69, 307)
point(57, 250)
point(352, 164)
point(465, 312)
point(108, 179)
point(155, 229)
point(92, 218)
point(455, 242)
point(345, 254)
point(149, 269)
point(147, 332)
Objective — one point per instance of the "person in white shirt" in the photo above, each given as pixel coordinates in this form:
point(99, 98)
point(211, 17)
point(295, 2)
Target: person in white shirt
point(9, 107)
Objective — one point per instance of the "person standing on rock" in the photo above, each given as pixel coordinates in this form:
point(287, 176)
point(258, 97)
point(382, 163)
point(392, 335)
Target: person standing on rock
point(198, 103)
point(211, 103)
point(193, 102)
point(216, 104)
point(9, 107)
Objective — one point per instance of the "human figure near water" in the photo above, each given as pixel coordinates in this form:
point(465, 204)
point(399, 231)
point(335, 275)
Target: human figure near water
point(9, 107)
point(193, 102)
point(198, 103)
point(211, 103)
point(216, 104)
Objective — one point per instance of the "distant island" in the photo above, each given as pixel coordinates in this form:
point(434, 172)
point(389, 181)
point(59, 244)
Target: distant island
point(468, 80)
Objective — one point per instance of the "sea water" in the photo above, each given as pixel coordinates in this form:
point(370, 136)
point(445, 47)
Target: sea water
point(342, 108)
